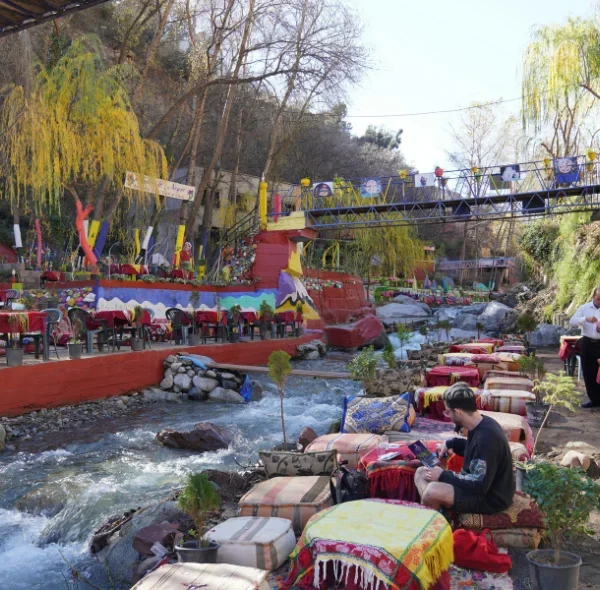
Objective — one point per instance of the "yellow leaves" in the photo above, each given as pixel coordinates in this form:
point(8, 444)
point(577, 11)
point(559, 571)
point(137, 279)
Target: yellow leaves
point(76, 126)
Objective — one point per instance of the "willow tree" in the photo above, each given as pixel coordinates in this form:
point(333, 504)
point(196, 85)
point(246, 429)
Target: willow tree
point(561, 81)
point(74, 133)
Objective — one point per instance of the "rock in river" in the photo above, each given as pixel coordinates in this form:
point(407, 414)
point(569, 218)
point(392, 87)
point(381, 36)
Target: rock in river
point(219, 394)
point(205, 436)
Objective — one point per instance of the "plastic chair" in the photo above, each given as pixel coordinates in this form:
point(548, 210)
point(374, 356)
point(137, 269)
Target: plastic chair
point(179, 322)
point(53, 319)
point(146, 328)
point(11, 295)
point(76, 313)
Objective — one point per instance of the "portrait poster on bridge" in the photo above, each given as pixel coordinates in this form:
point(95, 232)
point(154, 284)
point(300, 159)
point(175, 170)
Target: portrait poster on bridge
point(322, 189)
point(370, 187)
point(566, 170)
point(510, 173)
point(424, 180)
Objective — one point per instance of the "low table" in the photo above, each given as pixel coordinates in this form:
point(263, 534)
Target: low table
point(373, 543)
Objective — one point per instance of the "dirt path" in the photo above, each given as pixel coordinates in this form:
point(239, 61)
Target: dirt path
point(583, 426)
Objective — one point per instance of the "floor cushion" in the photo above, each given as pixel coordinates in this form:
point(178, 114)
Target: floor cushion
point(349, 447)
point(208, 576)
point(523, 512)
point(294, 498)
point(502, 373)
point(280, 463)
point(373, 543)
point(515, 427)
point(518, 538)
point(517, 383)
point(518, 451)
point(261, 542)
point(507, 400)
point(376, 415)
point(442, 375)
point(514, 348)
point(473, 347)
point(430, 400)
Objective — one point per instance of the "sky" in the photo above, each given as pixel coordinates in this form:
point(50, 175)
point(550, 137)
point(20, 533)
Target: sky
point(431, 55)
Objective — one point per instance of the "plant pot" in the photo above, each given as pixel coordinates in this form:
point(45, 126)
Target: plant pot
point(520, 478)
point(234, 337)
point(189, 552)
point(75, 350)
point(194, 339)
point(536, 413)
point(14, 357)
point(547, 576)
point(137, 344)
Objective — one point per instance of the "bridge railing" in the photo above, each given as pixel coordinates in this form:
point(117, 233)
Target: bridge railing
point(440, 185)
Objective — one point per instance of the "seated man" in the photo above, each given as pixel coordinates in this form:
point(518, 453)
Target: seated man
point(486, 483)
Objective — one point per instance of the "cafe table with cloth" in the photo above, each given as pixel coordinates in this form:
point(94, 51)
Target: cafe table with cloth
point(382, 544)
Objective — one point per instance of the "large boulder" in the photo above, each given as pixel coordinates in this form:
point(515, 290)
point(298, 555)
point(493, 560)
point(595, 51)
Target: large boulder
point(205, 383)
point(228, 396)
point(183, 381)
point(546, 335)
point(366, 332)
point(205, 436)
point(120, 557)
point(498, 318)
point(167, 382)
point(47, 500)
point(406, 300)
point(395, 313)
point(466, 321)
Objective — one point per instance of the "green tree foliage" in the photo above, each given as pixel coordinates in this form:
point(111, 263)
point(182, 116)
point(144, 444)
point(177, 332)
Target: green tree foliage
point(388, 356)
point(279, 370)
point(381, 137)
point(566, 498)
point(362, 367)
point(403, 334)
point(538, 241)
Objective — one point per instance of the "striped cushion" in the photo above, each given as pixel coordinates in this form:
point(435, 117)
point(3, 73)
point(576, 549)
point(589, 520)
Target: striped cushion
point(515, 383)
point(208, 576)
point(294, 498)
point(515, 427)
point(350, 447)
point(506, 400)
point(265, 543)
point(518, 538)
point(518, 451)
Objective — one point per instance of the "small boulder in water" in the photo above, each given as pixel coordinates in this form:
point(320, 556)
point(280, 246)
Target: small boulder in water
point(205, 436)
point(306, 437)
point(47, 501)
point(219, 394)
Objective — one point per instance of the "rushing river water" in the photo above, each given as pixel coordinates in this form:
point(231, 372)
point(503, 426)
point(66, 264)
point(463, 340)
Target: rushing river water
point(111, 466)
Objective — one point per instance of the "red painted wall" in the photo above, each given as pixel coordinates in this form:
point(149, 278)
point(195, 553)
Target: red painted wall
point(51, 384)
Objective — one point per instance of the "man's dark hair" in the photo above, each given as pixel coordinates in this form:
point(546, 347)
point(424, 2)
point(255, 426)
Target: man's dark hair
point(460, 397)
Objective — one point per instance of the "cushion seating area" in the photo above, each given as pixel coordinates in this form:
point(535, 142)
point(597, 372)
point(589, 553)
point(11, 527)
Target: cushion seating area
point(519, 524)
point(261, 542)
point(441, 375)
point(294, 498)
point(208, 576)
point(473, 347)
point(507, 400)
point(349, 447)
point(373, 543)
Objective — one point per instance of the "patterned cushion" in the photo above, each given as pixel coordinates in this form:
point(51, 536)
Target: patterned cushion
point(376, 415)
point(208, 576)
point(507, 400)
point(349, 447)
point(294, 464)
point(517, 538)
point(265, 543)
point(515, 383)
point(294, 498)
point(449, 375)
point(523, 512)
point(473, 347)
point(518, 451)
point(515, 427)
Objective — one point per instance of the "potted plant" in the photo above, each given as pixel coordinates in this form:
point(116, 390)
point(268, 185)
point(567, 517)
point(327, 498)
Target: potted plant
point(300, 318)
point(194, 338)
point(403, 334)
point(75, 342)
point(137, 336)
point(279, 369)
point(363, 366)
point(19, 323)
point(526, 324)
point(234, 335)
point(198, 497)
point(267, 329)
point(566, 497)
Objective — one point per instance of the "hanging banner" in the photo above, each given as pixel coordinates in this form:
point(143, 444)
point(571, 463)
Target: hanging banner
point(179, 244)
point(17, 232)
point(322, 189)
point(93, 232)
point(174, 190)
point(566, 170)
point(424, 180)
point(370, 187)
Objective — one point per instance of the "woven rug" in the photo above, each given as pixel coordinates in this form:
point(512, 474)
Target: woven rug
point(460, 579)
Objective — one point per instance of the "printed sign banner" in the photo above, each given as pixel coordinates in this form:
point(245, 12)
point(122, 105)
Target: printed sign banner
point(183, 192)
point(370, 187)
point(322, 189)
point(424, 180)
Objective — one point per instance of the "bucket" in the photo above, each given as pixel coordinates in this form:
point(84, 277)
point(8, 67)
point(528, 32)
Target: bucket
point(547, 576)
point(194, 339)
point(536, 413)
point(14, 357)
point(189, 552)
point(137, 344)
point(75, 350)
point(520, 477)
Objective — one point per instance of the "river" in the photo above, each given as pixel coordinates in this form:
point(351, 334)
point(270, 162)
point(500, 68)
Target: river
point(112, 466)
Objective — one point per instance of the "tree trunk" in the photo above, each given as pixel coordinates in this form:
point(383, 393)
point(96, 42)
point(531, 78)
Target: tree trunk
point(281, 395)
point(221, 133)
